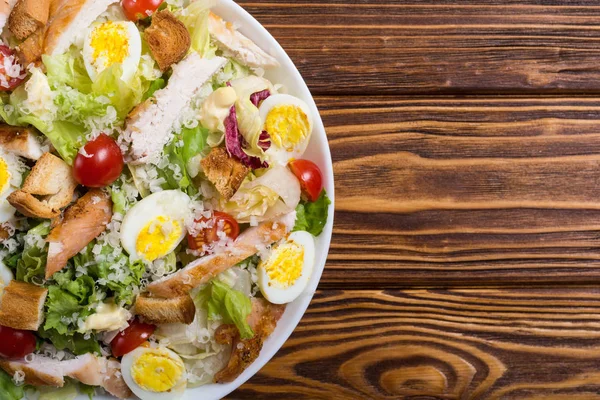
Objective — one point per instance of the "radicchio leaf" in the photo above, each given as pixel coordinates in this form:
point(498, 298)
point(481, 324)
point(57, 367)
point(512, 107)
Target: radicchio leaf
point(234, 142)
point(257, 97)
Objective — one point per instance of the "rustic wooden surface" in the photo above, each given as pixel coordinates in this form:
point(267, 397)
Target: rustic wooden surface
point(465, 262)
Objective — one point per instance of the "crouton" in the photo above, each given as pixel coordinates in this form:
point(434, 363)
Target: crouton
point(23, 142)
point(22, 306)
point(52, 181)
point(225, 172)
point(27, 17)
point(4, 233)
point(168, 39)
point(31, 50)
point(166, 311)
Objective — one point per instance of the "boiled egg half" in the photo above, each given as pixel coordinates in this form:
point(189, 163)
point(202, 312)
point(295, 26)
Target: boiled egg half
point(109, 43)
point(155, 226)
point(154, 374)
point(284, 273)
point(11, 170)
point(289, 123)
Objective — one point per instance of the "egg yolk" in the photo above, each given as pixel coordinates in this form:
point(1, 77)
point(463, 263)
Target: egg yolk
point(287, 125)
point(157, 372)
point(4, 175)
point(284, 266)
point(158, 238)
point(110, 42)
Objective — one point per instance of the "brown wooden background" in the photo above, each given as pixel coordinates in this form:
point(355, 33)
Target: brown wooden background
point(465, 262)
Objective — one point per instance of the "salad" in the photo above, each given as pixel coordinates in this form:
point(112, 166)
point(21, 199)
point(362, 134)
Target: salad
point(156, 212)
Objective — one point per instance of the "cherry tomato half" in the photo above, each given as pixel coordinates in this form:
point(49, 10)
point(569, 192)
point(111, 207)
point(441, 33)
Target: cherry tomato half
point(15, 344)
point(219, 221)
point(8, 57)
point(140, 9)
point(310, 177)
point(131, 338)
point(100, 164)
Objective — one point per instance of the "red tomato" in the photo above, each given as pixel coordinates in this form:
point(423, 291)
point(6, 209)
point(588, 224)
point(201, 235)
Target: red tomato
point(101, 165)
point(131, 338)
point(10, 83)
point(310, 177)
point(140, 9)
point(15, 344)
point(220, 221)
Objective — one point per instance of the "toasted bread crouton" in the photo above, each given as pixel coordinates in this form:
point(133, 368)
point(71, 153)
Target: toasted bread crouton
point(52, 180)
point(166, 311)
point(22, 306)
point(223, 171)
point(168, 39)
point(31, 50)
point(4, 233)
point(23, 142)
point(83, 222)
point(28, 16)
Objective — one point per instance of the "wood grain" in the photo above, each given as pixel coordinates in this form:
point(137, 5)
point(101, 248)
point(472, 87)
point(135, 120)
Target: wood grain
point(411, 46)
point(459, 344)
point(477, 191)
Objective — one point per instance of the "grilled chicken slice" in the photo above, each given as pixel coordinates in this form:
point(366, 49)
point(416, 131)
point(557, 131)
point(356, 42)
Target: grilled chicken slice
point(238, 46)
point(82, 223)
point(263, 321)
point(87, 369)
point(23, 142)
point(150, 124)
point(204, 269)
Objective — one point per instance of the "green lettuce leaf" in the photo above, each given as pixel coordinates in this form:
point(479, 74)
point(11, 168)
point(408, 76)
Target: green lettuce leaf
point(194, 142)
point(8, 389)
point(232, 306)
point(75, 343)
point(67, 392)
point(67, 69)
point(155, 85)
point(312, 217)
point(195, 19)
point(32, 261)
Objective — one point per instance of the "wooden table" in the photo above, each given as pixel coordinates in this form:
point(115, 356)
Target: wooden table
point(465, 261)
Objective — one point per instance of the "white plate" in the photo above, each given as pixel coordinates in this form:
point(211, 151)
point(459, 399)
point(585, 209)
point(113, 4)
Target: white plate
point(318, 152)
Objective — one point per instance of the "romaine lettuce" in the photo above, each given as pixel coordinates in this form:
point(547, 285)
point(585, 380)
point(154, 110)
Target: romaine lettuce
point(232, 306)
point(312, 217)
point(8, 389)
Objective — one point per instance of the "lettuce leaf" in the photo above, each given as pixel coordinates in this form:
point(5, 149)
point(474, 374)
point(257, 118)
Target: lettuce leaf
point(67, 392)
point(32, 261)
point(8, 389)
point(75, 343)
point(312, 217)
point(234, 307)
point(155, 85)
point(195, 19)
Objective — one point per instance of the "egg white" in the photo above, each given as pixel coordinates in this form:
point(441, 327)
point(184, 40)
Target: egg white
point(280, 155)
point(6, 276)
point(132, 60)
point(169, 203)
point(278, 295)
point(15, 168)
point(126, 365)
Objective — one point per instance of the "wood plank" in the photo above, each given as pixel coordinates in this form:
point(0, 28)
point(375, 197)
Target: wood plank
point(478, 191)
point(411, 46)
point(460, 344)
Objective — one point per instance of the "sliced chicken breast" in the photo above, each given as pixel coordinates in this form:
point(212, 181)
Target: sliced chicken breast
point(150, 125)
point(23, 142)
point(87, 369)
point(263, 320)
point(238, 46)
point(204, 269)
point(82, 223)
